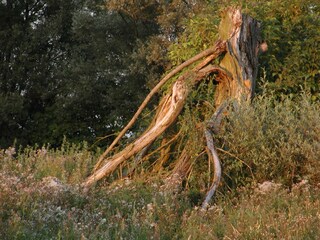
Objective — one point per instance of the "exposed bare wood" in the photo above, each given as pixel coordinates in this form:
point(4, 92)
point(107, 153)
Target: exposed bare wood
point(241, 59)
point(235, 75)
point(170, 109)
point(217, 168)
point(179, 172)
point(213, 51)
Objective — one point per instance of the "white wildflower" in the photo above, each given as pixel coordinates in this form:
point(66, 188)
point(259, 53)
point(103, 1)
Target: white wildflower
point(268, 186)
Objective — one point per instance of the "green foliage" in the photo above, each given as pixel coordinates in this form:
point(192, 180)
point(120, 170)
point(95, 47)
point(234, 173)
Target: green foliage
point(200, 33)
point(272, 140)
point(100, 93)
point(65, 70)
point(32, 39)
point(290, 28)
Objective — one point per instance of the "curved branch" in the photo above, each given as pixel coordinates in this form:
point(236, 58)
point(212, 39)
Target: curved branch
point(216, 50)
point(217, 168)
point(214, 124)
point(171, 108)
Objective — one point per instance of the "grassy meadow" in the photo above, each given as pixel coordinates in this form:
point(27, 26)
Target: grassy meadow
point(274, 140)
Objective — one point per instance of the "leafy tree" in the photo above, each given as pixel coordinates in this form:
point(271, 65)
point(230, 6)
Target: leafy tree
point(292, 30)
point(65, 71)
point(33, 35)
point(166, 21)
point(100, 92)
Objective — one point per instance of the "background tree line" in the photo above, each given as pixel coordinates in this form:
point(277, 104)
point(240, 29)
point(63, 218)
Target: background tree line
point(80, 68)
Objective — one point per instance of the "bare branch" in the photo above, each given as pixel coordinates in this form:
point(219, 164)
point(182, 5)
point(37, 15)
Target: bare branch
point(236, 74)
point(217, 168)
point(215, 51)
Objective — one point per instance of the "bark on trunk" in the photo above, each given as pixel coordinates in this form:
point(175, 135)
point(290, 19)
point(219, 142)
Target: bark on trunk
point(241, 59)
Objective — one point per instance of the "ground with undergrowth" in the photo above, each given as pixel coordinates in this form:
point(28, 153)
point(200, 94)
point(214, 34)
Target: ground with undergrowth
point(270, 187)
point(47, 209)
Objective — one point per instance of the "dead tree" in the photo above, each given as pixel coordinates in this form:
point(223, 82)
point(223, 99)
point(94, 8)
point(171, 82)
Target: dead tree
point(235, 76)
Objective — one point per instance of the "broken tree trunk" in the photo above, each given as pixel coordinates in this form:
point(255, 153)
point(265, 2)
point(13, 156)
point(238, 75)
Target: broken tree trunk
point(235, 76)
point(241, 58)
point(240, 63)
point(169, 109)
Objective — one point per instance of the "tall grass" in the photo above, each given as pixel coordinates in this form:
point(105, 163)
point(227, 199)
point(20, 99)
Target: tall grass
point(71, 163)
point(267, 140)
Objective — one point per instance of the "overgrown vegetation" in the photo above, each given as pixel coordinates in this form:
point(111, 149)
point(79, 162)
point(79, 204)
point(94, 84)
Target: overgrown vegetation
point(53, 74)
point(40, 198)
point(278, 27)
point(66, 65)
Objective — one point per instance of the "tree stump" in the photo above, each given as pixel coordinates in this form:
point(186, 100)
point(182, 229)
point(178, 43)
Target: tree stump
point(236, 79)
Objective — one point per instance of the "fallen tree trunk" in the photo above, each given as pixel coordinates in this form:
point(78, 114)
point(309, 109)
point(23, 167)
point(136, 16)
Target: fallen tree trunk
point(169, 109)
point(212, 52)
point(235, 76)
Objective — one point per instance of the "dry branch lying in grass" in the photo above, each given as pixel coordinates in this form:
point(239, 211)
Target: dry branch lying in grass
point(235, 75)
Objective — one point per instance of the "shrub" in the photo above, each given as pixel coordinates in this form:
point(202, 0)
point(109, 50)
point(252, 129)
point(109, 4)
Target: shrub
point(272, 139)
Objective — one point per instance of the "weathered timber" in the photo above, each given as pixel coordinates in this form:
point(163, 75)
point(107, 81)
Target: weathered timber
point(236, 83)
point(235, 77)
point(241, 59)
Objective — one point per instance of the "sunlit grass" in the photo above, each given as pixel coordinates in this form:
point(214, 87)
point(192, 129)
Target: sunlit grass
point(40, 197)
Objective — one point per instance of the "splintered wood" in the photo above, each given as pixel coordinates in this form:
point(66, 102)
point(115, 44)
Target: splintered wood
point(235, 76)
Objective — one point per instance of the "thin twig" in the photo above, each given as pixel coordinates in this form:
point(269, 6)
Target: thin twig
point(155, 151)
point(162, 146)
point(232, 155)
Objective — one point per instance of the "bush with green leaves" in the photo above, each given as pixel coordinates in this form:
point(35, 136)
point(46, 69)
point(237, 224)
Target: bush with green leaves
point(272, 140)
